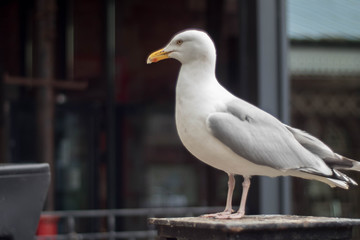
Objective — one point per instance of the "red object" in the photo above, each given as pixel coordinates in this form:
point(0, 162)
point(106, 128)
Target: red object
point(47, 225)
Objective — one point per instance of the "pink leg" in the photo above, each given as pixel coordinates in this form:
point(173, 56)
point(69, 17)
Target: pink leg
point(228, 209)
point(231, 186)
point(241, 212)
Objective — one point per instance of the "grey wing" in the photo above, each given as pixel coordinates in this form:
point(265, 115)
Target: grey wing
point(262, 139)
point(320, 149)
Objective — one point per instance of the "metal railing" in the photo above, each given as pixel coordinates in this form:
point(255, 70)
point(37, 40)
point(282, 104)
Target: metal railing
point(112, 222)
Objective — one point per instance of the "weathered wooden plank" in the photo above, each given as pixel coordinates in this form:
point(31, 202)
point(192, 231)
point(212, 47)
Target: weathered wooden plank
point(280, 227)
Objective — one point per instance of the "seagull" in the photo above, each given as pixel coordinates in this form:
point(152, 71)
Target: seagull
point(235, 136)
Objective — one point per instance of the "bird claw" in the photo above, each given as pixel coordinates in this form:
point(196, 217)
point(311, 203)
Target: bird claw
point(225, 215)
point(220, 215)
point(237, 215)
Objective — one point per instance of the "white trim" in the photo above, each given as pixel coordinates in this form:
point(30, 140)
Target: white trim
point(324, 61)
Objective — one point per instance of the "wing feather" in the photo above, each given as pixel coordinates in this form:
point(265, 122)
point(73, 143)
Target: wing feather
point(320, 149)
point(262, 139)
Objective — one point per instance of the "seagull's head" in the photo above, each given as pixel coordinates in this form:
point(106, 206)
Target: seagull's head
point(187, 47)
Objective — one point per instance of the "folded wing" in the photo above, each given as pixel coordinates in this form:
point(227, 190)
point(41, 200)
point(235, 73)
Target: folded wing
point(262, 139)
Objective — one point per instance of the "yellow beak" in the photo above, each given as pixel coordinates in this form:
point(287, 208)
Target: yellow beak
point(157, 56)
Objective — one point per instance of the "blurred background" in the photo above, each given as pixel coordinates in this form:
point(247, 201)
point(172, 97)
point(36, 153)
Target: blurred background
point(76, 92)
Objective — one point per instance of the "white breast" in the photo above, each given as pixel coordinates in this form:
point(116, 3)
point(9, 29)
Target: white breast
point(192, 109)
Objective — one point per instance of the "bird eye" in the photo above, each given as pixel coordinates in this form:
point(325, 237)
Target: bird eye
point(179, 42)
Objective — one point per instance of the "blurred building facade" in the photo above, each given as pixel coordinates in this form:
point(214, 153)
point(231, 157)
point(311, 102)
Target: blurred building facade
point(136, 159)
point(325, 74)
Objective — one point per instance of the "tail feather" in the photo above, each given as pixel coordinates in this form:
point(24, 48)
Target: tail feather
point(356, 166)
point(337, 179)
point(336, 183)
point(333, 160)
point(342, 176)
point(340, 179)
point(351, 164)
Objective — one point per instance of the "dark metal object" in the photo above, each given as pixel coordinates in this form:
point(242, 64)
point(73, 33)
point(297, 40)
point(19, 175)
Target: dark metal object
point(23, 189)
point(110, 102)
point(45, 11)
point(2, 117)
point(280, 227)
point(39, 82)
